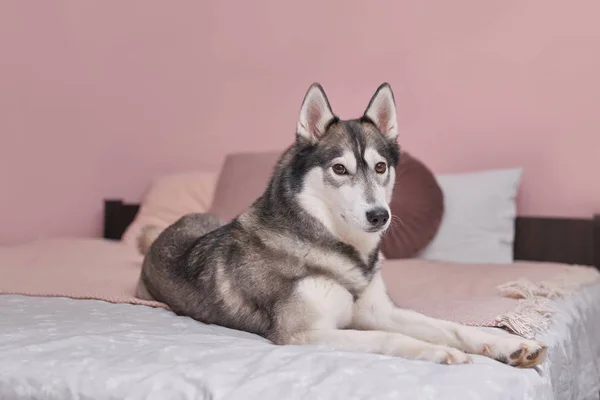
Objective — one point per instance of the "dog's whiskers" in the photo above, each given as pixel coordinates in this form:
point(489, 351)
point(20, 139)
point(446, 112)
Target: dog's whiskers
point(397, 218)
point(394, 222)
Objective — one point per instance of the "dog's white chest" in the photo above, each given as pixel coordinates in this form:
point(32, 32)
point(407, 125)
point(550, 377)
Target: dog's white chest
point(330, 302)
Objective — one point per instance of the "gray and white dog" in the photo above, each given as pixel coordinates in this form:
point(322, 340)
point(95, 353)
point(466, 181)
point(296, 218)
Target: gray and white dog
point(301, 265)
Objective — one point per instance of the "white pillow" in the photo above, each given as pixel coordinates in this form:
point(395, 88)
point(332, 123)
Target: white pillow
point(478, 225)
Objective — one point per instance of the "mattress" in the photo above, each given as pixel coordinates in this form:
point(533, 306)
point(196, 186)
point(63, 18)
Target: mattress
point(58, 348)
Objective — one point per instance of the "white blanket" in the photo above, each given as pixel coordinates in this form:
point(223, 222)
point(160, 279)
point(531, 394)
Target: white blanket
point(56, 348)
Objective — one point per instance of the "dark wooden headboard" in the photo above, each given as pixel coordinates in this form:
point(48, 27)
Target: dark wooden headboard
point(564, 240)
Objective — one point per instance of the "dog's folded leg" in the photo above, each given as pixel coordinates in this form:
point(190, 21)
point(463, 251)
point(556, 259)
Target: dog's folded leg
point(374, 310)
point(392, 344)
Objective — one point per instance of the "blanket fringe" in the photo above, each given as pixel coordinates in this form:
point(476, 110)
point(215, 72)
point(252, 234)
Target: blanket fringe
point(534, 312)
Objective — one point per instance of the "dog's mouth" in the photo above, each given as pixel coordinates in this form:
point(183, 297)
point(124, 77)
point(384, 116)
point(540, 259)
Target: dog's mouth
point(375, 230)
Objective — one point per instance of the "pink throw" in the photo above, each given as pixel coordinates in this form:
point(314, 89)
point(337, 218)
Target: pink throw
point(511, 296)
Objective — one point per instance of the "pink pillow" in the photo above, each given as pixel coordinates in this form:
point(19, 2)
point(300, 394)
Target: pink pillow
point(171, 197)
point(418, 201)
point(417, 208)
point(244, 178)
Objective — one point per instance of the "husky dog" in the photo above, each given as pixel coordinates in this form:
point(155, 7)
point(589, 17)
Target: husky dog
point(301, 265)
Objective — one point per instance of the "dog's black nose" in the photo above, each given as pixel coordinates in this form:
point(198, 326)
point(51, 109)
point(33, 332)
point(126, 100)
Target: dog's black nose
point(377, 217)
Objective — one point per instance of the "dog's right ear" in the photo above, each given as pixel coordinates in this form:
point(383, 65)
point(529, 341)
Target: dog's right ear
point(315, 114)
point(382, 111)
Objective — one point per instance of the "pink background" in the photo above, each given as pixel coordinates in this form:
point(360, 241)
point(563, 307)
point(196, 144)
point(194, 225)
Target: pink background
point(98, 97)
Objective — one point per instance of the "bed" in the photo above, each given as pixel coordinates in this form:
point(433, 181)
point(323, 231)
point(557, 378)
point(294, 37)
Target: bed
point(62, 348)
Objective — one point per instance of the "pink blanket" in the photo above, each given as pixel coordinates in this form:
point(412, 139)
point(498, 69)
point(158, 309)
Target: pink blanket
point(511, 296)
point(74, 268)
point(514, 296)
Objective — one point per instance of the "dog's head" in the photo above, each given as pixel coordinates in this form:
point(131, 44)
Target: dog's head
point(348, 166)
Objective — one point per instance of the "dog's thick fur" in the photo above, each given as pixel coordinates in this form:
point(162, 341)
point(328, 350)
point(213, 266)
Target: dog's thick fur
point(301, 265)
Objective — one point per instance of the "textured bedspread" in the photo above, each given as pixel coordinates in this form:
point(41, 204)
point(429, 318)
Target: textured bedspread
point(56, 348)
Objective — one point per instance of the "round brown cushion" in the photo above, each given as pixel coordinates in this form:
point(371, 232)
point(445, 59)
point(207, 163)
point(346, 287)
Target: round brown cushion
point(417, 208)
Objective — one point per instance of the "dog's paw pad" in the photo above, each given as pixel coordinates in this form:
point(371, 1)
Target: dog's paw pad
point(521, 354)
point(516, 354)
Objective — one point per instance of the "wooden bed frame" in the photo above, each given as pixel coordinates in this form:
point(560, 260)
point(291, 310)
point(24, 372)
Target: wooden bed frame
point(563, 240)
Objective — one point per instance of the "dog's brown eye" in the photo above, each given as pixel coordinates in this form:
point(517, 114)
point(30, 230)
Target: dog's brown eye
point(339, 169)
point(380, 168)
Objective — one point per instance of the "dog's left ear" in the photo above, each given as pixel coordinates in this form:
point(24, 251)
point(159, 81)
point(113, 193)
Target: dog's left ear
point(315, 114)
point(382, 111)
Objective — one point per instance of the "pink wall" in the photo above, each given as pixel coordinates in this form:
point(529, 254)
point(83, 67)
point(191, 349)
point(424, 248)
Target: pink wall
point(96, 98)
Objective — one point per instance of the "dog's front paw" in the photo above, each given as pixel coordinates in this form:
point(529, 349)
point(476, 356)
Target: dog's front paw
point(445, 355)
point(517, 352)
